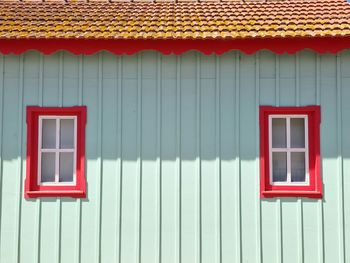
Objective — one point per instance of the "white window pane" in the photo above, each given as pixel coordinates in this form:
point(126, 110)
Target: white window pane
point(47, 167)
point(279, 166)
point(297, 133)
point(298, 166)
point(66, 167)
point(279, 133)
point(66, 134)
point(48, 134)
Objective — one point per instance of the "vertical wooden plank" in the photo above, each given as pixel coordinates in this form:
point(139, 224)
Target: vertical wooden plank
point(37, 241)
point(247, 157)
point(58, 200)
point(345, 97)
point(329, 151)
point(119, 162)
point(178, 152)
point(50, 80)
point(279, 225)
point(198, 221)
point(159, 155)
point(218, 154)
point(297, 79)
point(110, 148)
point(90, 207)
point(2, 80)
point(308, 96)
point(320, 211)
point(28, 229)
point(257, 167)
point(170, 82)
point(139, 155)
point(12, 91)
point(50, 215)
point(149, 199)
point(293, 217)
point(307, 81)
point(289, 206)
point(79, 201)
point(70, 81)
point(228, 155)
point(237, 161)
point(130, 151)
point(299, 213)
point(70, 97)
point(99, 168)
point(267, 78)
point(269, 213)
point(290, 230)
point(210, 225)
point(340, 161)
point(287, 79)
point(18, 211)
point(190, 243)
point(12, 97)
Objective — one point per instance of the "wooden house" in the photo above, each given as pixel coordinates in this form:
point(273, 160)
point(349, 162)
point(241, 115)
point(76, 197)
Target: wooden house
point(168, 132)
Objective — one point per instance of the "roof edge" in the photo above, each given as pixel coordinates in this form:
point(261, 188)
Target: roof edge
point(175, 46)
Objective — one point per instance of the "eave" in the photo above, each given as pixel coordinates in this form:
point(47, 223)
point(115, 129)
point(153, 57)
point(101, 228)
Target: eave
point(175, 46)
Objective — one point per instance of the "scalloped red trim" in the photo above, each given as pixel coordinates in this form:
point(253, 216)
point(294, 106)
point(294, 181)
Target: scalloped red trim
point(175, 46)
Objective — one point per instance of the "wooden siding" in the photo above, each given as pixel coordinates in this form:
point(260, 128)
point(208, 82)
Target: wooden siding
point(172, 154)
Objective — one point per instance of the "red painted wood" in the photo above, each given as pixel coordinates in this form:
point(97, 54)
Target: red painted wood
point(175, 46)
point(314, 190)
point(32, 189)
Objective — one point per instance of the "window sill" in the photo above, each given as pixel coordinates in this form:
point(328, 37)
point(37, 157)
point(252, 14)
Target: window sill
point(308, 194)
point(73, 194)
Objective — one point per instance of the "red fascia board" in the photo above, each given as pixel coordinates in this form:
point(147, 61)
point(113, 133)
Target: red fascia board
point(175, 46)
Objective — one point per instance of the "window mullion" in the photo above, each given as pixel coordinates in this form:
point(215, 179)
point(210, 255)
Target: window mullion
point(288, 152)
point(57, 155)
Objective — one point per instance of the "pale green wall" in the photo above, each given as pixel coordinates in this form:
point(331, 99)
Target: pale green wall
point(172, 159)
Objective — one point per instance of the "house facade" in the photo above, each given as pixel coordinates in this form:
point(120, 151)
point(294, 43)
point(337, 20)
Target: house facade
point(186, 150)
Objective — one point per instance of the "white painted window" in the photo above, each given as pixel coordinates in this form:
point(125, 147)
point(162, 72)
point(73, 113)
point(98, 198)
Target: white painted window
point(57, 150)
point(288, 150)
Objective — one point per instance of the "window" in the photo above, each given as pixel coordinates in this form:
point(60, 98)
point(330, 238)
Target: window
point(290, 152)
point(55, 152)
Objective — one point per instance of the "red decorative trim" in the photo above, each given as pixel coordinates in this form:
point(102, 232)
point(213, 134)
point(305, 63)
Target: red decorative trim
point(53, 193)
point(175, 46)
point(314, 190)
point(32, 189)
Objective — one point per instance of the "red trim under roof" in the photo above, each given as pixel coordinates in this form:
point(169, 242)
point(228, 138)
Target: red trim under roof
point(175, 46)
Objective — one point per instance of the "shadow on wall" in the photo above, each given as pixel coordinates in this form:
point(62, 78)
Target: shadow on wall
point(151, 109)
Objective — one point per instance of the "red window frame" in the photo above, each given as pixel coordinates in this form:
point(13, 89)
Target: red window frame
point(314, 189)
point(32, 188)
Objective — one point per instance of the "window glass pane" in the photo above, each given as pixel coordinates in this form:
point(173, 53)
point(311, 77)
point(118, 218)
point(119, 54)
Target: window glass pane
point(279, 133)
point(279, 164)
point(48, 134)
point(66, 134)
point(66, 167)
point(298, 166)
point(47, 167)
point(297, 133)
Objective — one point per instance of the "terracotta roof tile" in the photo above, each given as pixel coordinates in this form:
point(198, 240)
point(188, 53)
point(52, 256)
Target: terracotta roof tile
point(117, 20)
